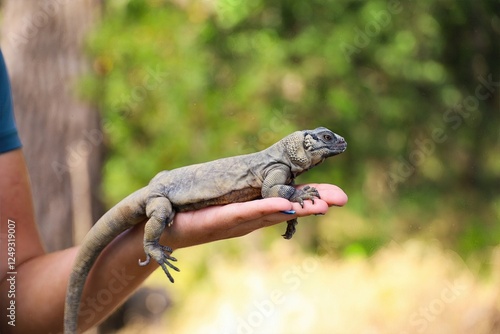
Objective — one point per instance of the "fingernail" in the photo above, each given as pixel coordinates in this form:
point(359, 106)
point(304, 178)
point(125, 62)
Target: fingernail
point(288, 212)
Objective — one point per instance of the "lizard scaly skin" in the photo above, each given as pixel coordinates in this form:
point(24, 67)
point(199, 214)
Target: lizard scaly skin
point(268, 173)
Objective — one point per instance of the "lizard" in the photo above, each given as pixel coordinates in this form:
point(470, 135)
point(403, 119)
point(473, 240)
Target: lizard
point(267, 173)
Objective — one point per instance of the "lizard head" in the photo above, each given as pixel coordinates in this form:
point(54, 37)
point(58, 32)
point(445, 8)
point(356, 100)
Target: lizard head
point(309, 148)
point(322, 142)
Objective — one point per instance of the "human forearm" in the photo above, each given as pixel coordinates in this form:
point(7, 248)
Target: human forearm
point(116, 273)
point(42, 281)
point(41, 285)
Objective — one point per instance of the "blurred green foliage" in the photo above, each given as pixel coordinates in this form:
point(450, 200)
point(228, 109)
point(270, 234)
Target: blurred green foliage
point(405, 82)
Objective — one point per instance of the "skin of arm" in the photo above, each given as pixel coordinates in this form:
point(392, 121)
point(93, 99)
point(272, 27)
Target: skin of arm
point(42, 278)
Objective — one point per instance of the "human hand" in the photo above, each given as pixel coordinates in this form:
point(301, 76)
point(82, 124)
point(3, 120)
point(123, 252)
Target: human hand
point(237, 219)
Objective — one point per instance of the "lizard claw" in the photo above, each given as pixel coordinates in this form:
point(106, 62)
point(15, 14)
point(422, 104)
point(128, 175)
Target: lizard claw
point(159, 253)
point(145, 262)
point(165, 269)
point(304, 194)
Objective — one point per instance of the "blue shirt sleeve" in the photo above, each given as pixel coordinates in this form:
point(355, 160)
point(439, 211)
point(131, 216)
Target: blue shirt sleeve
point(9, 138)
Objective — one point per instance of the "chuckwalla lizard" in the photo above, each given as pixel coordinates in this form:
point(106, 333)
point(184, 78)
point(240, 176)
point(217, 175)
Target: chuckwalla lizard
point(268, 173)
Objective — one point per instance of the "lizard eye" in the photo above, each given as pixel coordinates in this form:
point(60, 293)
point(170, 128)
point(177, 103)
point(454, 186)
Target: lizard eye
point(327, 137)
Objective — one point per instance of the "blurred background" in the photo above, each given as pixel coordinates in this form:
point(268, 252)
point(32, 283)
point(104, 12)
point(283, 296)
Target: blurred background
point(108, 93)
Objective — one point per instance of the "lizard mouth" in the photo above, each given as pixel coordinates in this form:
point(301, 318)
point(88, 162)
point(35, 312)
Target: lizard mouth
point(331, 150)
point(340, 146)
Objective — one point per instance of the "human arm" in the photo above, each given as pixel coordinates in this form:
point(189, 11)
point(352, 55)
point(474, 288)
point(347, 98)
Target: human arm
point(42, 278)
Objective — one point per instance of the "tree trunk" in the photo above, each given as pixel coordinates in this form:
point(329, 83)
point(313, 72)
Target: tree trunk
point(43, 45)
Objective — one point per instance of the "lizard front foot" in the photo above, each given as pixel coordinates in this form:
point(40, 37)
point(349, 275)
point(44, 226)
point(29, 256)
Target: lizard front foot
point(304, 194)
point(158, 252)
point(299, 196)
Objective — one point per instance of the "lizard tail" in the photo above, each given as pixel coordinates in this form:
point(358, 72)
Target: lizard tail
point(107, 228)
point(90, 249)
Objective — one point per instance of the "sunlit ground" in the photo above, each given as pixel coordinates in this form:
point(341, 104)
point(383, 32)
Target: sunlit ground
point(413, 287)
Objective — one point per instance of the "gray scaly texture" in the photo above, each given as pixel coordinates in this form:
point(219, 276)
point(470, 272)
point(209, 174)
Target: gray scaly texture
point(268, 173)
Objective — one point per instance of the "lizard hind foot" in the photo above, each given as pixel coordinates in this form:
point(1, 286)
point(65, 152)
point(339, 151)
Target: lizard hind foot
point(159, 253)
point(290, 229)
